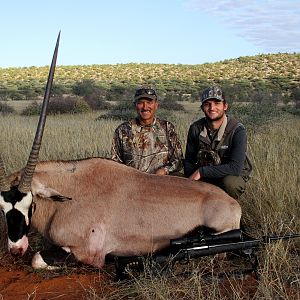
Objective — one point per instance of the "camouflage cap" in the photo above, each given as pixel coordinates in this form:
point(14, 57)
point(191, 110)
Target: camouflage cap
point(145, 92)
point(213, 92)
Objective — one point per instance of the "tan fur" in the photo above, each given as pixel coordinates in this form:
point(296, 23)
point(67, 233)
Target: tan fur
point(118, 210)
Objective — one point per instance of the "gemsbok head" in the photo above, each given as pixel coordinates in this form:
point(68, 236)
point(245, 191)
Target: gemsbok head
point(16, 201)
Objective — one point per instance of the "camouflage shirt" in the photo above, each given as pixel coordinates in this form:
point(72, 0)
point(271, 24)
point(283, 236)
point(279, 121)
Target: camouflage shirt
point(147, 148)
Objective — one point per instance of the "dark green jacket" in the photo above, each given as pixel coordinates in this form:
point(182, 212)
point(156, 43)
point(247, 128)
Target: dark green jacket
point(225, 155)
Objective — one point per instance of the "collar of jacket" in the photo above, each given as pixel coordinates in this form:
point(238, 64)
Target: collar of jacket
point(221, 131)
point(139, 126)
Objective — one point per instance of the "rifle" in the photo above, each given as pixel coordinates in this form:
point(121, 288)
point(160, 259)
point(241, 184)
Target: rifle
point(197, 246)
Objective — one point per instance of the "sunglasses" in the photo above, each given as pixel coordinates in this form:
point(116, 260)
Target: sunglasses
point(145, 91)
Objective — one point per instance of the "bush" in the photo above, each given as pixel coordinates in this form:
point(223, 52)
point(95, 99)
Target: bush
point(292, 110)
point(96, 102)
point(33, 109)
point(254, 115)
point(120, 92)
point(6, 109)
point(58, 89)
point(60, 105)
point(81, 106)
point(124, 110)
point(67, 105)
point(85, 87)
point(170, 104)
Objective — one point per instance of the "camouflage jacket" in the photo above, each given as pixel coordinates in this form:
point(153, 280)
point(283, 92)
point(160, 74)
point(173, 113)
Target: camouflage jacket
point(147, 148)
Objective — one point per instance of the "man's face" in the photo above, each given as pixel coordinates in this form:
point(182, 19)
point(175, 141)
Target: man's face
point(146, 109)
point(214, 110)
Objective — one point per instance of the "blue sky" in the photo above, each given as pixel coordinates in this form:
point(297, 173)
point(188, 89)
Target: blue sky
point(153, 31)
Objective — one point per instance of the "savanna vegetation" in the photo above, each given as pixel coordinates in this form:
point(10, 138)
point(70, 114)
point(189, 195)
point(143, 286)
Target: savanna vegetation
point(262, 77)
point(270, 204)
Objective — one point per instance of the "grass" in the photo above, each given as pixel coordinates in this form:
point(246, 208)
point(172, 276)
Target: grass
point(270, 204)
point(70, 136)
point(19, 105)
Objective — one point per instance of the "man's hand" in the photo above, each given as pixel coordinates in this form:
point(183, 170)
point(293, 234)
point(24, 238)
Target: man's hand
point(161, 172)
point(195, 176)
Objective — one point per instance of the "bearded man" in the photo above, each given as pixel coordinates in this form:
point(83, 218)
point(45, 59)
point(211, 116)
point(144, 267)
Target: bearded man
point(216, 146)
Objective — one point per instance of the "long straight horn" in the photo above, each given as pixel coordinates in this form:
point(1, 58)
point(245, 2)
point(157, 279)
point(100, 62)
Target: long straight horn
point(25, 182)
point(4, 185)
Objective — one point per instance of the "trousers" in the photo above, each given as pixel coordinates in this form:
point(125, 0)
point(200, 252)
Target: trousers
point(234, 186)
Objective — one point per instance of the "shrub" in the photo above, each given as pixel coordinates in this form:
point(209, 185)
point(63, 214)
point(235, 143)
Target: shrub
point(67, 105)
point(6, 109)
point(81, 106)
point(123, 110)
point(295, 95)
point(58, 89)
point(85, 87)
point(170, 104)
point(120, 92)
point(14, 94)
point(96, 102)
point(33, 109)
point(254, 115)
point(60, 105)
point(292, 110)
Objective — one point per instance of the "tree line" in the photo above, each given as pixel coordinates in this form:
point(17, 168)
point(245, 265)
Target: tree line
point(240, 91)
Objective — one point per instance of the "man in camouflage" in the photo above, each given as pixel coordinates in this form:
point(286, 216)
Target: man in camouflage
point(147, 143)
point(216, 146)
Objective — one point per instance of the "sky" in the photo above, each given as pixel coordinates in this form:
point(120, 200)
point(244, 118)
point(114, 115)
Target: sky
point(152, 31)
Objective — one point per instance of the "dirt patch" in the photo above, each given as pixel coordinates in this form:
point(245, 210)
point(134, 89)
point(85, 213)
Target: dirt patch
point(18, 284)
point(18, 281)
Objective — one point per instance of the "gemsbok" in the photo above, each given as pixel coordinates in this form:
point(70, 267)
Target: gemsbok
point(95, 207)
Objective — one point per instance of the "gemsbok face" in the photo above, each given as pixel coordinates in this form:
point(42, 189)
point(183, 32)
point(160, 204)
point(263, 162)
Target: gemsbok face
point(16, 201)
point(17, 208)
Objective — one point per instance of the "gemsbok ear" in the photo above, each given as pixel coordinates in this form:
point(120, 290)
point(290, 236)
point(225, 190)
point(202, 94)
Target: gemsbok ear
point(39, 189)
point(60, 198)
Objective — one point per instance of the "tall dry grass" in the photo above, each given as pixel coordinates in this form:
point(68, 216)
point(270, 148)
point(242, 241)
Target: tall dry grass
point(65, 137)
point(270, 205)
point(272, 200)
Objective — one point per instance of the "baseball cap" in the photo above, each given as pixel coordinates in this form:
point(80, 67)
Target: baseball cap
point(213, 92)
point(147, 93)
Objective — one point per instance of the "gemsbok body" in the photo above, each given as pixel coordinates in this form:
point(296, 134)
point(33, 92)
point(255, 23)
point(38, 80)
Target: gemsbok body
point(95, 207)
point(105, 208)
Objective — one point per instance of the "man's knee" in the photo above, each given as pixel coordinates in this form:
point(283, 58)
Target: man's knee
point(234, 186)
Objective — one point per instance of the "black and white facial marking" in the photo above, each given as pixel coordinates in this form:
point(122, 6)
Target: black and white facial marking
point(17, 208)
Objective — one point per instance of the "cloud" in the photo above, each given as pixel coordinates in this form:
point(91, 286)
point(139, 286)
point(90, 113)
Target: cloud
point(273, 25)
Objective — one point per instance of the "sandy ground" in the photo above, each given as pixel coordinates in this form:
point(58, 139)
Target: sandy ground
point(19, 281)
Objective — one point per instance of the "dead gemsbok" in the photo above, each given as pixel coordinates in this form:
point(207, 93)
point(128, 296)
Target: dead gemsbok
point(95, 207)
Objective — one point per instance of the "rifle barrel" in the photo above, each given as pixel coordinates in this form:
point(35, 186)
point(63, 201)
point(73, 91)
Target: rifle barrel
point(269, 239)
